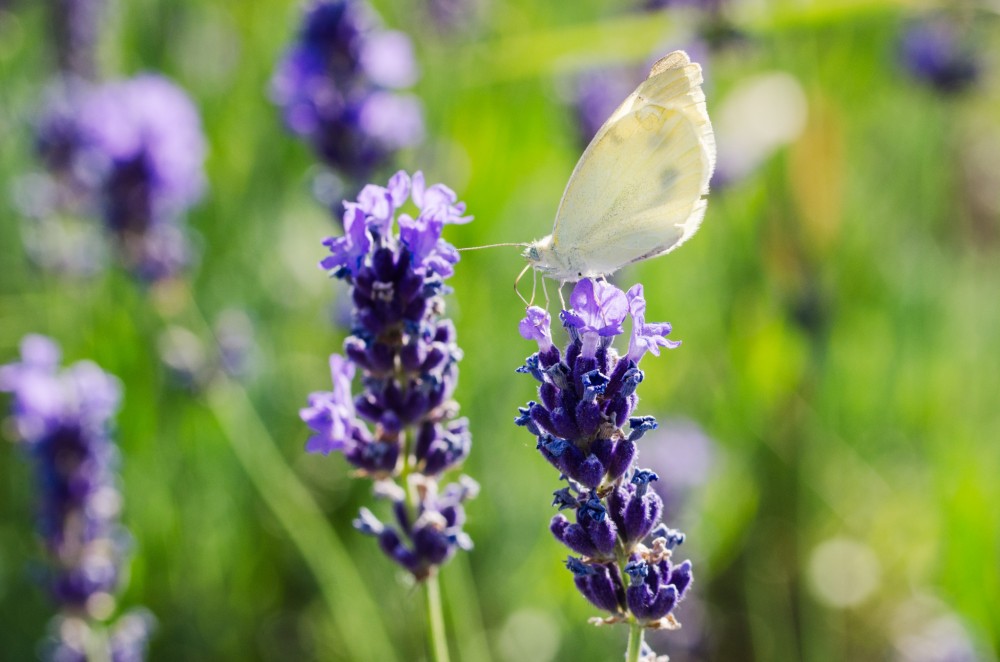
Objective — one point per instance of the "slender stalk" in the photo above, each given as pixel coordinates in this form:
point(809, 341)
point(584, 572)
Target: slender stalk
point(354, 613)
point(360, 625)
point(98, 648)
point(634, 642)
point(465, 613)
point(435, 620)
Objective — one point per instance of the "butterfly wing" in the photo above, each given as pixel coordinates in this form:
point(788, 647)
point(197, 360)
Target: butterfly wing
point(636, 191)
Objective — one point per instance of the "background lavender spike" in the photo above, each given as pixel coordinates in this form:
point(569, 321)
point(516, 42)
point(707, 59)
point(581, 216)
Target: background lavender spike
point(75, 28)
point(132, 153)
point(402, 424)
point(935, 51)
point(455, 16)
point(338, 88)
point(64, 419)
point(588, 395)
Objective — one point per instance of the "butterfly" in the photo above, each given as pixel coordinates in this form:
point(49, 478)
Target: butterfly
point(637, 190)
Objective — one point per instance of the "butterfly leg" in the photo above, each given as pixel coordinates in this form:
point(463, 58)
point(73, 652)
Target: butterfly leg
point(534, 285)
point(562, 301)
point(518, 280)
point(545, 291)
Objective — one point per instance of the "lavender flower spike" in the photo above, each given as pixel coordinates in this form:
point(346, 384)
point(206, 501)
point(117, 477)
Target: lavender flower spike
point(403, 421)
point(75, 26)
point(586, 397)
point(64, 419)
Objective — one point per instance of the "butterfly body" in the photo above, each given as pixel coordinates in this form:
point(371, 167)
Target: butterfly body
point(637, 190)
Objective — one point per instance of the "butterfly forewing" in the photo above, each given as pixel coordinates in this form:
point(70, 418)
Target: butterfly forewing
point(636, 191)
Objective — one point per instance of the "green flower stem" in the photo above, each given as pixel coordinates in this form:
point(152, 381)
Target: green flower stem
point(98, 648)
point(465, 613)
point(352, 610)
point(354, 613)
point(435, 620)
point(634, 642)
point(436, 632)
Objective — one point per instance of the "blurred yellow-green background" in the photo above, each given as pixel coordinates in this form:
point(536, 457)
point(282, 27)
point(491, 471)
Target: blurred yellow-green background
point(829, 427)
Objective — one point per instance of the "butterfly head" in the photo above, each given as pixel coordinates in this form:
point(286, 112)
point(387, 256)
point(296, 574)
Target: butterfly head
point(540, 254)
point(544, 257)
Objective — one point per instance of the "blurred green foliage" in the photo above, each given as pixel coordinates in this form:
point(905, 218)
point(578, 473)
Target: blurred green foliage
point(838, 310)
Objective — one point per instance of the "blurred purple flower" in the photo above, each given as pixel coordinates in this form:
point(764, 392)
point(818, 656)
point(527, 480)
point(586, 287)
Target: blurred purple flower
point(708, 6)
point(64, 418)
point(133, 152)
point(234, 334)
point(408, 359)
point(71, 638)
point(454, 16)
point(45, 399)
point(684, 456)
point(130, 636)
point(935, 52)
point(597, 93)
point(336, 87)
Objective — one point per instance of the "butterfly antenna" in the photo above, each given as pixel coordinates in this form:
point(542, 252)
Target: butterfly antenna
point(478, 248)
point(518, 280)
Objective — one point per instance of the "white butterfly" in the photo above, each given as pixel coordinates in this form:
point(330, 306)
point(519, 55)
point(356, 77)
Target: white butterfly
point(637, 190)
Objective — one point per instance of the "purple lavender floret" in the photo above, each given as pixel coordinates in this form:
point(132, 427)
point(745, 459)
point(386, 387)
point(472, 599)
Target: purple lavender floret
point(585, 427)
point(403, 420)
point(656, 587)
point(337, 87)
point(934, 51)
point(593, 535)
point(433, 535)
point(131, 152)
point(635, 508)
